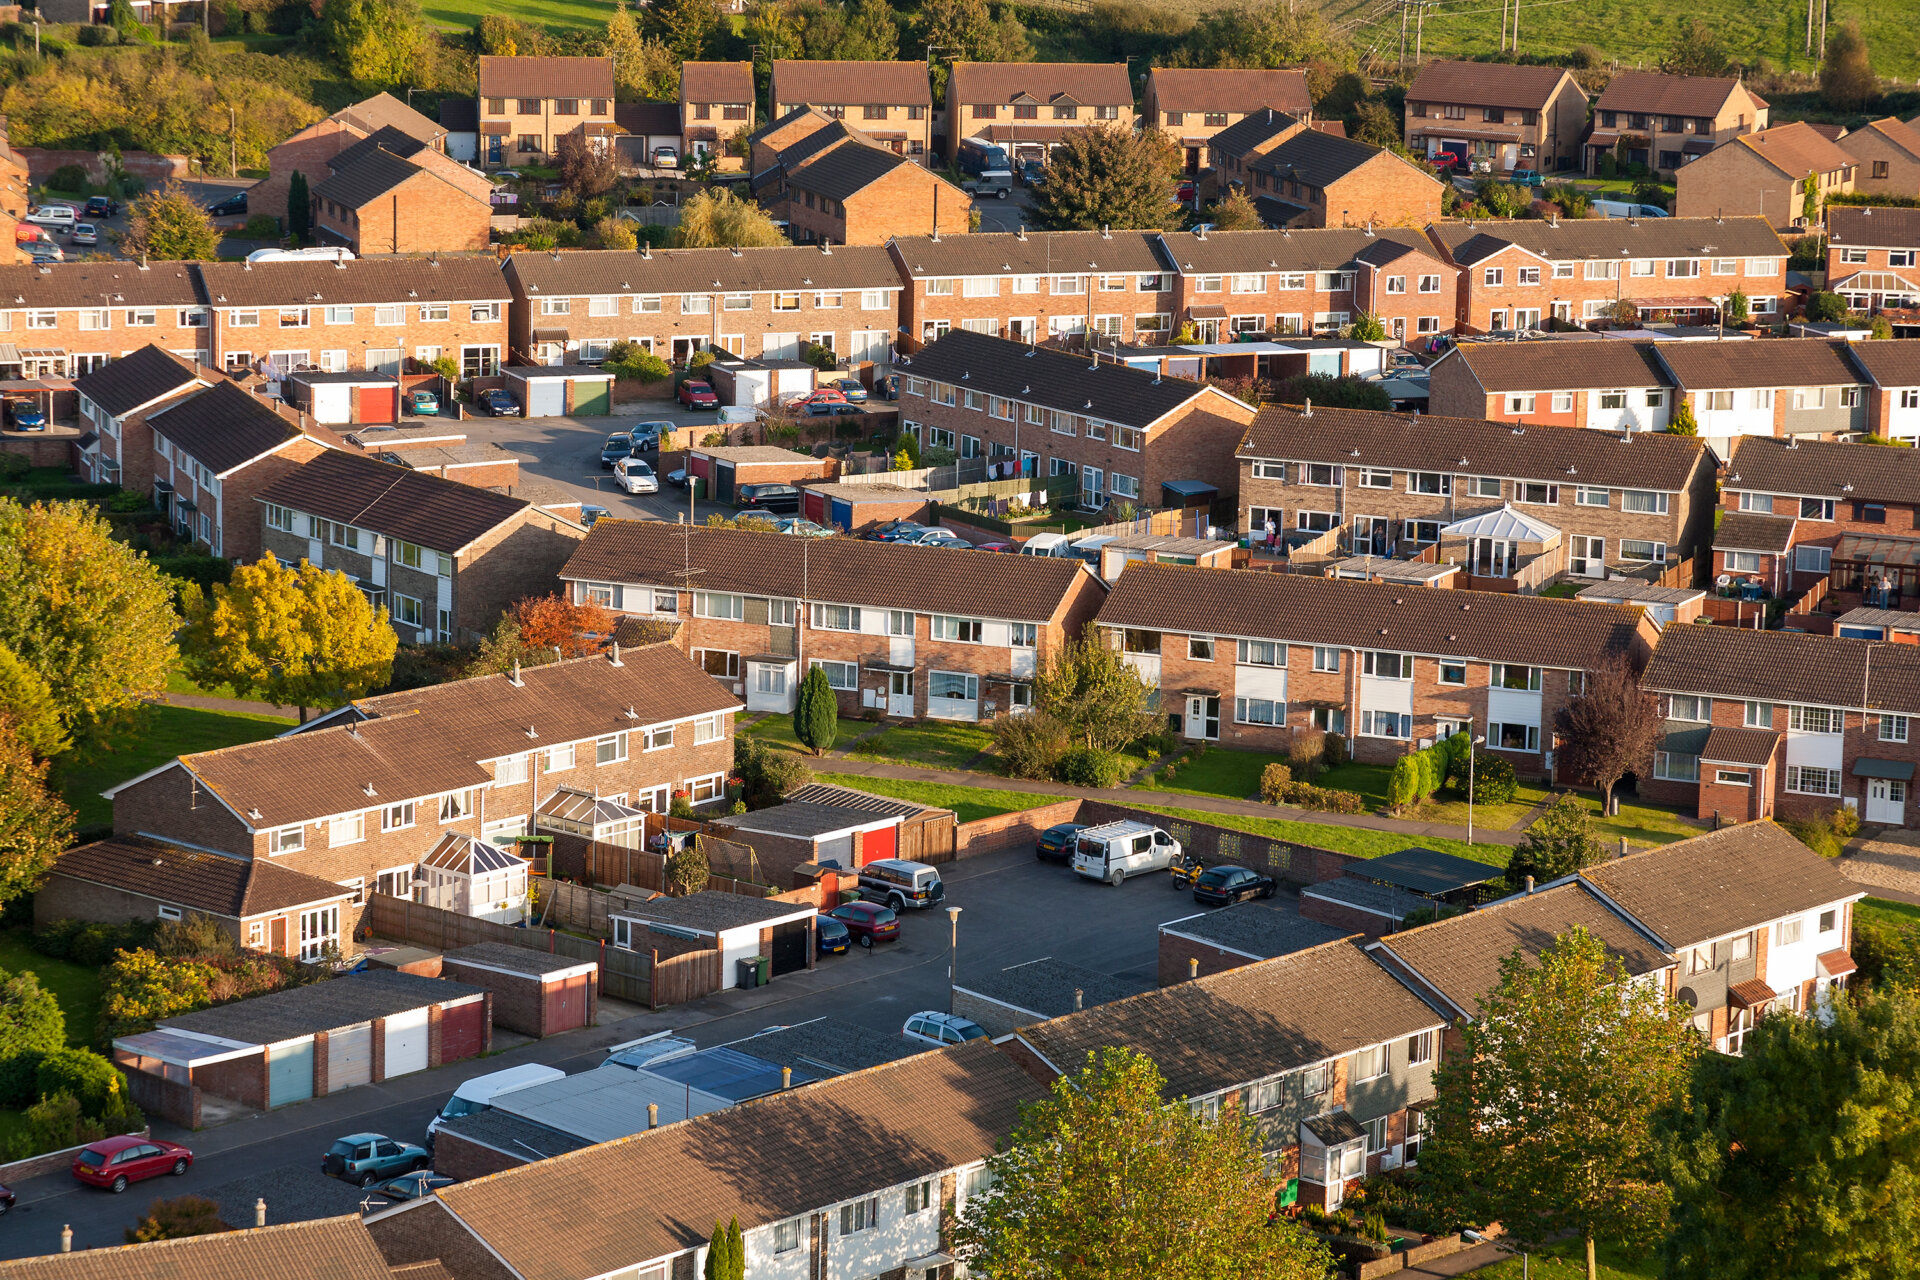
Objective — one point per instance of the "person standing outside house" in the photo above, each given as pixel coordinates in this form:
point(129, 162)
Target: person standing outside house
point(1273, 532)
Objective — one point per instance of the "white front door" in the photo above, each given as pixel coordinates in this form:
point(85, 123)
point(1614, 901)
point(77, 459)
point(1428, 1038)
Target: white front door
point(1587, 557)
point(1526, 318)
point(1203, 717)
point(900, 693)
point(1887, 801)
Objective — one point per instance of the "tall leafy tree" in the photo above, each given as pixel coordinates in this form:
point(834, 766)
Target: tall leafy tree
point(1094, 693)
point(299, 205)
point(1697, 50)
point(1108, 176)
point(1847, 81)
point(1234, 212)
point(1610, 729)
point(772, 26)
point(1560, 843)
point(27, 699)
point(301, 637)
point(375, 42)
point(1105, 1177)
point(169, 225)
point(718, 218)
point(555, 622)
point(643, 69)
point(30, 1016)
point(91, 617)
point(872, 32)
point(1801, 1157)
point(1543, 1121)
point(35, 824)
point(688, 27)
point(966, 30)
point(586, 170)
point(1272, 33)
point(816, 712)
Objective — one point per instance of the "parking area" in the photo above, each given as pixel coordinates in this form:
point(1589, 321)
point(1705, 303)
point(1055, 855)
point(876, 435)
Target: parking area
point(1010, 214)
point(561, 456)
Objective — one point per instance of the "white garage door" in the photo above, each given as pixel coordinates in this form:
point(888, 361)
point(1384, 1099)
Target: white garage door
point(546, 397)
point(406, 1042)
point(349, 1057)
point(333, 403)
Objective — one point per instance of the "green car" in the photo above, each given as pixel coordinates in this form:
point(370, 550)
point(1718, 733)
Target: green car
point(422, 403)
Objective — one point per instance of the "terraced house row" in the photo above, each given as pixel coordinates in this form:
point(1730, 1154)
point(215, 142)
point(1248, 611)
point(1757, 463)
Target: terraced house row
point(1330, 1048)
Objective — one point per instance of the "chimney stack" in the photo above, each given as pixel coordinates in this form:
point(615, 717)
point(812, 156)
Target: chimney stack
point(653, 1115)
point(786, 1077)
point(616, 654)
point(1079, 998)
point(260, 1212)
point(1529, 884)
point(1193, 968)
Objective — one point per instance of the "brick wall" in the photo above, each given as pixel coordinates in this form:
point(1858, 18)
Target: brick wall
point(1386, 191)
point(243, 1080)
point(424, 214)
point(924, 316)
point(172, 804)
point(1404, 296)
point(1340, 916)
point(519, 1000)
point(239, 345)
point(240, 515)
point(520, 558)
point(308, 152)
point(1478, 299)
point(1178, 954)
point(168, 1099)
point(456, 1157)
point(1011, 830)
point(1883, 168)
point(904, 201)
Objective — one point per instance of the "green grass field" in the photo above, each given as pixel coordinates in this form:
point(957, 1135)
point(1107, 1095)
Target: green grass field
point(1361, 842)
point(969, 804)
point(560, 15)
point(76, 987)
point(938, 744)
point(166, 732)
point(777, 731)
point(1888, 912)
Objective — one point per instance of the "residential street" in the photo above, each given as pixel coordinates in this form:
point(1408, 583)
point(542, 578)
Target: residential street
point(1014, 909)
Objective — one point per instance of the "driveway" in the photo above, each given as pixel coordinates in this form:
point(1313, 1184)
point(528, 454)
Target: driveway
point(1885, 862)
point(1010, 214)
point(560, 460)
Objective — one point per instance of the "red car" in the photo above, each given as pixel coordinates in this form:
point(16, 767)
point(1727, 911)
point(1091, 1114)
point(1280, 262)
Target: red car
point(824, 396)
point(114, 1162)
point(698, 395)
point(1185, 192)
point(868, 922)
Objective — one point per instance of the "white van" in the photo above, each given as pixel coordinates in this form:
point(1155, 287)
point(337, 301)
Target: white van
point(1088, 548)
point(477, 1094)
point(1120, 849)
point(1046, 544)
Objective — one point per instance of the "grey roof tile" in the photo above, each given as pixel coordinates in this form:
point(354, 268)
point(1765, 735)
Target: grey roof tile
point(400, 503)
point(123, 385)
point(1785, 666)
point(1824, 469)
point(223, 427)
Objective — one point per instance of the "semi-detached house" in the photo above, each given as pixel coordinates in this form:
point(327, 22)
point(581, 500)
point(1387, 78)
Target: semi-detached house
point(66, 318)
point(390, 315)
point(1191, 105)
point(1029, 107)
point(1665, 121)
point(1597, 502)
point(1603, 385)
point(444, 558)
point(1765, 722)
point(114, 399)
point(1518, 275)
point(1497, 116)
point(1252, 659)
point(1127, 434)
point(890, 102)
point(907, 631)
point(364, 796)
point(1328, 1055)
point(1873, 259)
point(1792, 388)
point(570, 308)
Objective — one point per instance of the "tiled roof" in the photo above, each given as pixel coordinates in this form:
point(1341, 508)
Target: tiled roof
point(336, 1248)
point(1751, 531)
point(716, 82)
point(321, 1006)
point(1321, 159)
point(1784, 362)
point(1087, 83)
point(1784, 666)
point(413, 506)
point(211, 882)
point(760, 1161)
point(1713, 885)
point(141, 377)
point(1824, 469)
point(852, 84)
point(384, 111)
point(713, 911)
point(1878, 226)
point(1889, 364)
point(223, 427)
point(1898, 132)
point(1663, 95)
point(1476, 625)
point(1245, 134)
point(366, 179)
point(408, 281)
point(1795, 150)
point(1256, 930)
point(1318, 249)
point(825, 1046)
point(1578, 239)
point(1045, 987)
point(1486, 84)
point(390, 140)
point(101, 284)
point(1460, 956)
point(1006, 253)
point(1559, 365)
point(584, 272)
point(837, 570)
point(1230, 89)
point(1640, 460)
point(1057, 379)
point(1728, 745)
point(846, 170)
point(1243, 1024)
point(547, 77)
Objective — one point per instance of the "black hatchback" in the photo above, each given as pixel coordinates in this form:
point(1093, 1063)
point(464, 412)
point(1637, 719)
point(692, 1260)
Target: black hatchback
point(1056, 842)
point(1224, 886)
point(780, 498)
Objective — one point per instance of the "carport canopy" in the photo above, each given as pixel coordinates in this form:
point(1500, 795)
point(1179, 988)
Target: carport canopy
point(178, 1049)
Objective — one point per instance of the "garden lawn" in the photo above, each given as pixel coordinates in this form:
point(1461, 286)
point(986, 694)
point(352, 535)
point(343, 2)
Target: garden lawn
point(1361, 842)
point(1642, 824)
point(558, 15)
point(940, 744)
point(969, 804)
point(1233, 775)
point(1898, 915)
point(1568, 1261)
point(1370, 781)
point(165, 732)
point(777, 731)
point(76, 987)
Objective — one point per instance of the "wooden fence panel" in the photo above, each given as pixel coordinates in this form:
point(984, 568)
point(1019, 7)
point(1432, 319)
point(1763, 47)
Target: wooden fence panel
point(678, 979)
point(624, 975)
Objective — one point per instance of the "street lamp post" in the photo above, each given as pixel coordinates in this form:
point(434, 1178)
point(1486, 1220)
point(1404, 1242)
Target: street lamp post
point(953, 948)
point(1470, 745)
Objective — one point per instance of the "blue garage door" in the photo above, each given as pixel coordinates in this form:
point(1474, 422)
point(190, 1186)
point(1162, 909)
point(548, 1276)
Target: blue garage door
point(842, 517)
point(289, 1072)
point(1324, 362)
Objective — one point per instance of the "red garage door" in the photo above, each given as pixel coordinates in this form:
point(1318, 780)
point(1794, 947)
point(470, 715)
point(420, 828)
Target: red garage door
point(463, 1030)
point(379, 404)
point(875, 845)
point(566, 1001)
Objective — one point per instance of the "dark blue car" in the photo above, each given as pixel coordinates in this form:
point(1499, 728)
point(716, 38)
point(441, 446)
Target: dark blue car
point(834, 938)
point(26, 416)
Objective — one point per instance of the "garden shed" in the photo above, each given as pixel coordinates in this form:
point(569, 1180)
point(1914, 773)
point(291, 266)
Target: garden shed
point(601, 818)
point(551, 391)
point(534, 992)
point(307, 1042)
point(473, 877)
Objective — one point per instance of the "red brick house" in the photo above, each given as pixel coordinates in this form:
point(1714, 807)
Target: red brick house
point(1760, 722)
point(112, 400)
point(1804, 389)
point(894, 100)
point(1128, 434)
point(1666, 121)
point(393, 316)
point(716, 105)
point(66, 318)
point(840, 186)
point(392, 193)
point(361, 796)
point(760, 610)
point(310, 150)
point(1518, 275)
point(1028, 107)
point(1873, 259)
point(570, 308)
point(1501, 115)
point(1767, 174)
point(1602, 385)
point(1029, 286)
point(527, 104)
point(1300, 176)
point(1191, 105)
point(1249, 659)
